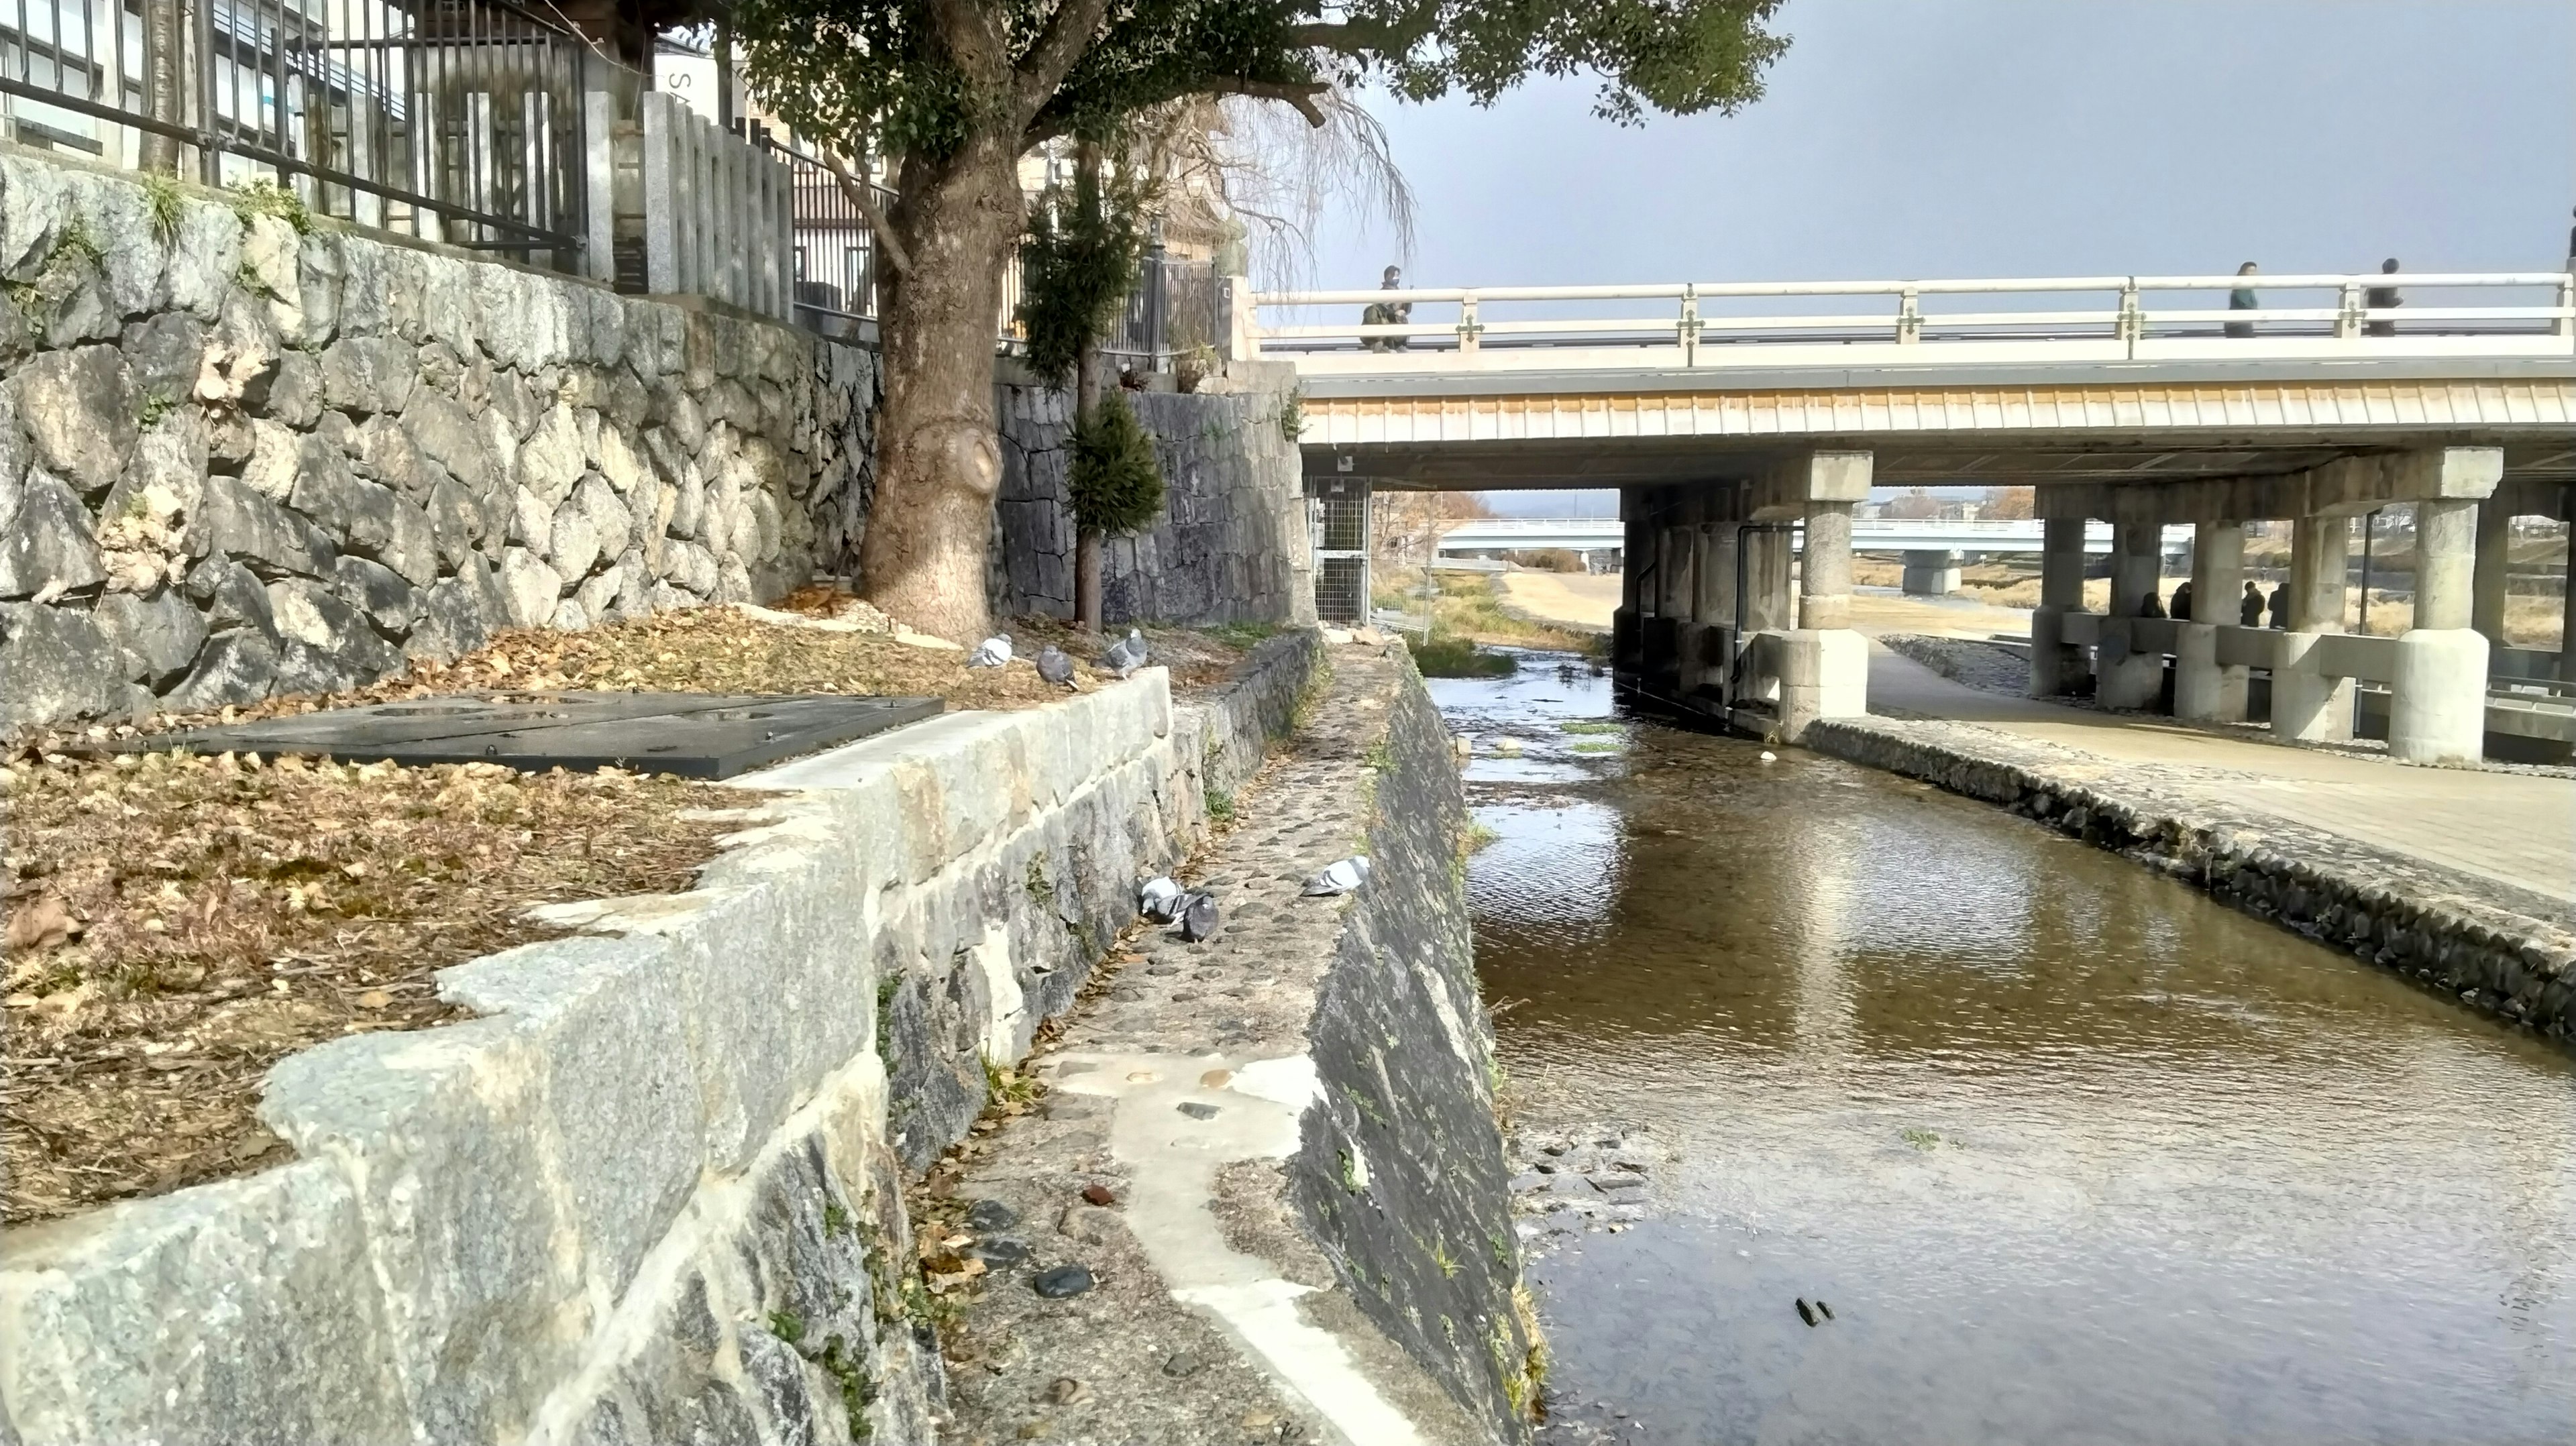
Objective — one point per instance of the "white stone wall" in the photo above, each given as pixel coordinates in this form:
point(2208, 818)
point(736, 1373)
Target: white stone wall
point(236, 460)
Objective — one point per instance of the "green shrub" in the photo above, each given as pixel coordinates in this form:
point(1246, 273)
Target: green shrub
point(1453, 657)
point(1115, 479)
point(1077, 264)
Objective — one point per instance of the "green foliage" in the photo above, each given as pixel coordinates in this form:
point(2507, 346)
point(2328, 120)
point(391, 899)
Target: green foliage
point(264, 197)
point(1921, 1139)
point(76, 243)
point(929, 78)
point(787, 1326)
point(1453, 657)
point(1594, 745)
point(1590, 725)
point(1220, 806)
point(161, 194)
point(1115, 480)
point(1292, 416)
point(1077, 265)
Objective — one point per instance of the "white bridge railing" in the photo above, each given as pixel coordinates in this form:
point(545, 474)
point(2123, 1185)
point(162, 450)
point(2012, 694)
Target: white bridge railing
point(1858, 323)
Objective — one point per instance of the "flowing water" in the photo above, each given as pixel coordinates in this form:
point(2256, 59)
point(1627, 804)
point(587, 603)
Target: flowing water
point(2074, 1154)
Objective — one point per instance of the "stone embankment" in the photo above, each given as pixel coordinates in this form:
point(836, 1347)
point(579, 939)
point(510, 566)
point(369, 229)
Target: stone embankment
point(1264, 1198)
point(654, 1193)
point(2502, 949)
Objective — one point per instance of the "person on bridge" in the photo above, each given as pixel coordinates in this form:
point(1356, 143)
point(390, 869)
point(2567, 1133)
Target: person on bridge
point(2182, 602)
point(2382, 298)
point(2250, 611)
point(2281, 605)
point(1388, 313)
point(2242, 299)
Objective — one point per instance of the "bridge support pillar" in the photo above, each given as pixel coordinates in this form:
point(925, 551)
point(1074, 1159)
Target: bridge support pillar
point(1636, 560)
point(2205, 691)
point(2056, 667)
point(2438, 702)
point(1824, 670)
point(2567, 604)
point(2132, 680)
point(2495, 533)
point(1706, 644)
point(1931, 574)
point(2307, 704)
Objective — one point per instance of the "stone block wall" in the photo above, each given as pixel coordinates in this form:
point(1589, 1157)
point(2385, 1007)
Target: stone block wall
point(238, 460)
point(1231, 547)
point(652, 1193)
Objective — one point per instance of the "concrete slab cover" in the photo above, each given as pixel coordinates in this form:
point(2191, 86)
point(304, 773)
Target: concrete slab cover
point(692, 735)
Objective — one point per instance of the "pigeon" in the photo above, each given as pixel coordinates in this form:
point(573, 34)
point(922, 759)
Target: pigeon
point(1197, 913)
point(1159, 899)
point(1341, 876)
point(1127, 654)
point(1054, 666)
point(1804, 1313)
point(993, 652)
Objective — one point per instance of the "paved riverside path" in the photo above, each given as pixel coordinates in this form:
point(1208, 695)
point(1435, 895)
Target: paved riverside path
point(2516, 828)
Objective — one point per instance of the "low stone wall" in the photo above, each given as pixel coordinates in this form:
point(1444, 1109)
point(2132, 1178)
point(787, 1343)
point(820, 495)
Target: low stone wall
point(238, 460)
point(652, 1194)
point(2501, 949)
point(1270, 1157)
point(1232, 544)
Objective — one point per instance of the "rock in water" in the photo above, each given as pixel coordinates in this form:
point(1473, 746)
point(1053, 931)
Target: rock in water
point(1054, 666)
point(1159, 899)
point(1062, 1281)
point(1824, 1310)
point(1805, 1314)
point(993, 652)
point(1341, 876)
point(1198, 917)
point(1127, 654)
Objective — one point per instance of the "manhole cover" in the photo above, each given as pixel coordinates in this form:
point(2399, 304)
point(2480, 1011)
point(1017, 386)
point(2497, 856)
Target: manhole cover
point(693, 735)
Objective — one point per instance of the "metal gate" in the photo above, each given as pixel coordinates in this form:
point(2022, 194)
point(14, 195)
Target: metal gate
point(1338, 513)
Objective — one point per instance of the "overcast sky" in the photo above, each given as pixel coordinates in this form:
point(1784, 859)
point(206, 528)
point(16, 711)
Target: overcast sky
point(1966, 138)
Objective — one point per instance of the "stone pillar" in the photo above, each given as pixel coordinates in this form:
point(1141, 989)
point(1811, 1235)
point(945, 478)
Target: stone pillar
point(1715, 573)
point(2203, 690)
point(2486, 602)
point(1634, 554)
point(2438, 703)
point(1677, 545)
point(1767, 595)
point(1824, 577)
point(2054, 666)
point(2127, 679)
point(1824, 671)
point(1931, 574)
point(2307, 704)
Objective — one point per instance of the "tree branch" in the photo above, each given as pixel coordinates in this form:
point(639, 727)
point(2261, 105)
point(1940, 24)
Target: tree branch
point(1298, 94)
point(1069, 33)
point(856, 189)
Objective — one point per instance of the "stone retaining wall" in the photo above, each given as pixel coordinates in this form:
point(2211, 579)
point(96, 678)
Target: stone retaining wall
point(1232, 545)
point(238, 460)
point(650, 1195)
point(2501, 949)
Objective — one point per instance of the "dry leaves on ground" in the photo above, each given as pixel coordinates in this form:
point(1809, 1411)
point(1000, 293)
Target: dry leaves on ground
point(178, 924)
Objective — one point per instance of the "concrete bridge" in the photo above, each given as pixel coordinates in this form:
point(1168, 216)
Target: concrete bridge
point(1732, 416)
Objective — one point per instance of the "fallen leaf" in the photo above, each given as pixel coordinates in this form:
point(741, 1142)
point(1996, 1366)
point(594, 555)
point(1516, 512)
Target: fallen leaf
point(374, 999)
point(42, 925)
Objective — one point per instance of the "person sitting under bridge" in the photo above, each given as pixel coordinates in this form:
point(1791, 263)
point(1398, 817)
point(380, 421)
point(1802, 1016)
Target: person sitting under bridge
point(1388, 313)
point(2250, 611)
point(2149, 607)
point(2182, 602)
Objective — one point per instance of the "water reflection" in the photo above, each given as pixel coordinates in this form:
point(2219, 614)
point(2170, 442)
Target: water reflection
point(2075, 1154)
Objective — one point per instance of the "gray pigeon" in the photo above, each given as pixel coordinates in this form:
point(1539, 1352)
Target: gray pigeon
point(1159, 899)
point(993, 652)
point(1198, 916)
point(1127, 654)
point(1341, 876)
point(1054, 666)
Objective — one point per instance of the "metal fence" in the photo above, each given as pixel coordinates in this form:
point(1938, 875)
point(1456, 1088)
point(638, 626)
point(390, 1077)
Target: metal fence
point(1175, 310)
point(462, 121)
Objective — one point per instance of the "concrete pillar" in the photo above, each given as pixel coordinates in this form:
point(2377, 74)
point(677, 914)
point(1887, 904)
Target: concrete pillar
point(2306, 704)
point(2203, 690)
point(2438, 703)
point(2486, 602)
point(2054, 667)
point(2126, 679)
point(2567, 606)
point(1824, 575)
point(1715, 573)
point(1931, 574)
point(1634, 554)
point(1767, 596)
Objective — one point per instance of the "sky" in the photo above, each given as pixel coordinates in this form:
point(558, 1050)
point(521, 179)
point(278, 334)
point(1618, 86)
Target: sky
point(1968, 138)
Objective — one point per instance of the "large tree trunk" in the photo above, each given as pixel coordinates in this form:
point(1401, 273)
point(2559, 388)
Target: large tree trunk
point(938, 459)
point(162, 84)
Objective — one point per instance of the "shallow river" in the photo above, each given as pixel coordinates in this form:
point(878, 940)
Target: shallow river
point(2075, 1154)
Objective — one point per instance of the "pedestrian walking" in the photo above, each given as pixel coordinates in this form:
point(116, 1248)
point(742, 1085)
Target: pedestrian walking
point(2250, 611)
point(2242, 299)
point(2382, 298)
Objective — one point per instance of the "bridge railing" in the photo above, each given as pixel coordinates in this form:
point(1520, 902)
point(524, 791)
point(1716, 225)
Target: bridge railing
point(2080, 318)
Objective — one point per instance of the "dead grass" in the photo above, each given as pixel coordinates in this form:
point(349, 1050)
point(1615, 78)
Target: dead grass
point(179, 924)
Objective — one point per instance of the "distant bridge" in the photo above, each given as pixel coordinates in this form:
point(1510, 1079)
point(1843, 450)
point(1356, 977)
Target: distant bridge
point(1608, 534)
